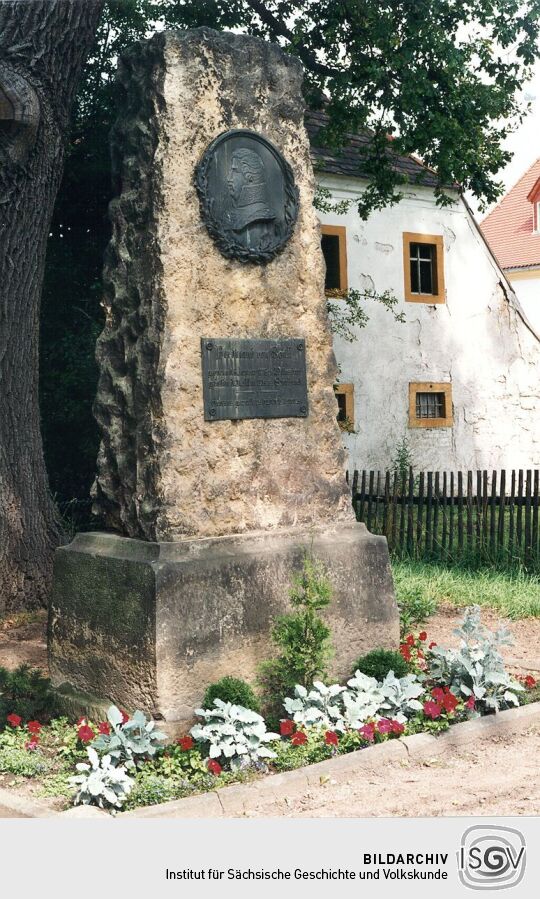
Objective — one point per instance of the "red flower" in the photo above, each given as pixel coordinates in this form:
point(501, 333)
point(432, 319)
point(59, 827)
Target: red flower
point(384, 726)
point(34, 727)
point(85, 734)
point(367, 731)
point(125, 716)
point(405, 652)
point(422, 636)
point(529, 682)
point(449, 702)
point(186, 743)
point(330, 738)
point(470, 703)
point(431, 709)
point(397, 727)
point(32, 744)
point(214, 767)
point(299, 738)
point(14, 720)
point(104, 728)
point(432, 644)
point(81, 721)
point(410, 640)
point(438, 694)
point(286, 727)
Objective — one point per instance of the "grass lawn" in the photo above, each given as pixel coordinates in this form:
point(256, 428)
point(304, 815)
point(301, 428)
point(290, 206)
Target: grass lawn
point(424, 585)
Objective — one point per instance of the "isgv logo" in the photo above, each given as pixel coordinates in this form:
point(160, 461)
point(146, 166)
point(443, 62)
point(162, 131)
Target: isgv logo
point(491, 857)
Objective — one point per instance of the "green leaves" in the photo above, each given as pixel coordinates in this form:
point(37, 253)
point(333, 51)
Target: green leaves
point(440, 78)
point(130, 741)
point(234, 734)
point(477, 667)
point(27, 693)
point(349, 313)
point(100, 782)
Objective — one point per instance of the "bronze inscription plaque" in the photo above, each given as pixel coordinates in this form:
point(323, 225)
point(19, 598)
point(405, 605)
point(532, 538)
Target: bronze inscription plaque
point(254, 378)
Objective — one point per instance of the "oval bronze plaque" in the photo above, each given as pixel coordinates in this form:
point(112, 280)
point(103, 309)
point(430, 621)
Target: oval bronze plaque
point(249, 201)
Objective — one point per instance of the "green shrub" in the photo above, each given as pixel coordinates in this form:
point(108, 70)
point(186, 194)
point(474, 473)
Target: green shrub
point(231, 689)
point(27, 693)
point(302, 639)
point(379, 662)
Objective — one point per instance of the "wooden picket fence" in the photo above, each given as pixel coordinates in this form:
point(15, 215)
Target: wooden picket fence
point(479, 516)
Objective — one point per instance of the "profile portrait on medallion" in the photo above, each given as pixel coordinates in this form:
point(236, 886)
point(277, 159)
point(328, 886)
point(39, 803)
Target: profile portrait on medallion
point(249, 201)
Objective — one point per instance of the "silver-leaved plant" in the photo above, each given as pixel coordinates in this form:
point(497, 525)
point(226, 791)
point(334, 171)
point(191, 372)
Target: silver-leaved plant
point(477, 668)
point(130, 741)
point(394, 697)
point(101, 782)
point(321, 707)
point(234, 734)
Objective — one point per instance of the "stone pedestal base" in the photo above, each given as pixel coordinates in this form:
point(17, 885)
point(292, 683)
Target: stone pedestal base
point(150, 625)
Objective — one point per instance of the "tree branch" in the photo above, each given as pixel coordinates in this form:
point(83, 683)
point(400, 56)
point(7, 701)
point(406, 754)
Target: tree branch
point(279, 29)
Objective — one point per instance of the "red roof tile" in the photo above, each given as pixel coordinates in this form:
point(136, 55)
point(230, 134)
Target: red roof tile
point(509, 227)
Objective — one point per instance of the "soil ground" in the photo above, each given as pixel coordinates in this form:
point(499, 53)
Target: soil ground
point(498, 776)
point(522, 656)
point(24, 642)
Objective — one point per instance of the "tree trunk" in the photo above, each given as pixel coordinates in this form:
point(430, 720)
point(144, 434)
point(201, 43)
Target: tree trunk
point(43, 44)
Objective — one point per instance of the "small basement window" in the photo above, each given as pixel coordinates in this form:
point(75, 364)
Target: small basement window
point(430, 405)
point(345, 411)
point(423, 268)
point(334, 247)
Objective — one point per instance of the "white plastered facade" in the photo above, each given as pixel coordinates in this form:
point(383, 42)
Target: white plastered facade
point(526, 286)
point(477, 340)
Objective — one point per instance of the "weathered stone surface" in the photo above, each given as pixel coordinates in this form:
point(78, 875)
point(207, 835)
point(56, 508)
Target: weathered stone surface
point(147, 623)
point(150, 625)
point(165, 473)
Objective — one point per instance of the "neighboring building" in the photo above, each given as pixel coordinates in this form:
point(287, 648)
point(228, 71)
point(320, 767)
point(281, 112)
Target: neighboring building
point(512, 230)
point(461, 377)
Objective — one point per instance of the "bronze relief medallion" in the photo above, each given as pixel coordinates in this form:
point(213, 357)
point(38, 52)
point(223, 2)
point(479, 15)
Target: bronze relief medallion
point(248, 197)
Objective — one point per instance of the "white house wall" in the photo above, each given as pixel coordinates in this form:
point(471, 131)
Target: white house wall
point(476, 340)
point(527, 291)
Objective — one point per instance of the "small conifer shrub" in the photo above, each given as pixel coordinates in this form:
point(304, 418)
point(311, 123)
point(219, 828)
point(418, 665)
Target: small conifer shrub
point(231, 689)
point(379, 662)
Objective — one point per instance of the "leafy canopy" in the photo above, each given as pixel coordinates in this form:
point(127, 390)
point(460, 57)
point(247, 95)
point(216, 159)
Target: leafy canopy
point(440, 77)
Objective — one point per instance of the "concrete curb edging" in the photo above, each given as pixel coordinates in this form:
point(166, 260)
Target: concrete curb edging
point(25, 808)
point(237, 799)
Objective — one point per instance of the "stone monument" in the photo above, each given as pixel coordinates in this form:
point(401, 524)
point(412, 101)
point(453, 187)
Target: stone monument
point(221, 458)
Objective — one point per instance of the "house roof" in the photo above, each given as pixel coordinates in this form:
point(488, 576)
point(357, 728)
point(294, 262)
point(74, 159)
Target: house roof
point(509, 227)
point(349, 160)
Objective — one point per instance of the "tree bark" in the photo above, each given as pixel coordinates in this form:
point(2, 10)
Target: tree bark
point(43, 44)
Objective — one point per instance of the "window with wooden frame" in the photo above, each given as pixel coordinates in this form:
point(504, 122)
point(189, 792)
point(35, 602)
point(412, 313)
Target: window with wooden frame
point(423, 266)
point(345, 400)
point(334, 247)
point(430, 405)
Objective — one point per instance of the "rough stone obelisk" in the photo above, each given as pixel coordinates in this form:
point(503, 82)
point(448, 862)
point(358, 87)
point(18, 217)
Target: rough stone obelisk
point(221, 457)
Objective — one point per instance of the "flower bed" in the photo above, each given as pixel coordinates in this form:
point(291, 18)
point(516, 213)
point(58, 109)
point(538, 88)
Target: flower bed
point(125, 762)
